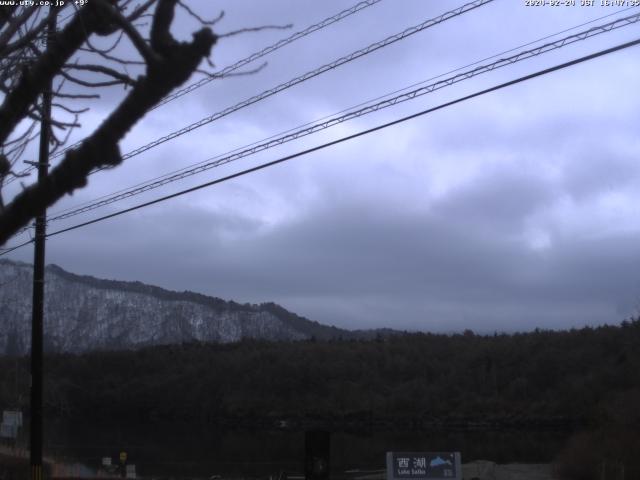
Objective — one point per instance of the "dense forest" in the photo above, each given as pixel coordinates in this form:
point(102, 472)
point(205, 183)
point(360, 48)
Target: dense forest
point(586, 380)
point(541, 378)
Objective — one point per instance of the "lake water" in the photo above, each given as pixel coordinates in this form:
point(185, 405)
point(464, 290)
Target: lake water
point(202, 451)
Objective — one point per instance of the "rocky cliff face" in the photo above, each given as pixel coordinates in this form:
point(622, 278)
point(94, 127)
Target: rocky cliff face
point(85, 313)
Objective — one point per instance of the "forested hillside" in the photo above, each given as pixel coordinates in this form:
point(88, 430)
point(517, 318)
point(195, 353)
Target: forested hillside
point(542, 378)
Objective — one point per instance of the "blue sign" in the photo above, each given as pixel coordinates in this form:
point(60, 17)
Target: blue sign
point(424, 466)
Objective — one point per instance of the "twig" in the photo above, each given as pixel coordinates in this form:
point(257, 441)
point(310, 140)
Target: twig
point(254, 29)
point(86, 83)
point(76, 96)
point(234, 74)
point(93, 48)
point(139, 12)
point(113, 58)
point(145, 50)
point(105, 71)
point(70, 110)
point(199, 18)
point(14, 26)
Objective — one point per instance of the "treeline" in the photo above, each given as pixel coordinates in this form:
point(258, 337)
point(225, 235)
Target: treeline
point(544, 378)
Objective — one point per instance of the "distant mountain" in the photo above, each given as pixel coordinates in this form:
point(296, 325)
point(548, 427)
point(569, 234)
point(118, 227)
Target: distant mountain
point(84, 313)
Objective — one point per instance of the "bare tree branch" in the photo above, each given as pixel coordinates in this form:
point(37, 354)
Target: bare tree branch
point(113, 58)
point(161, 39)
point(21, 137)
point(140, 11)
point(145, 50)
point(243, 73)
point(70, 110)
point(34, 79)
point(254, 29)
point(36, 114)
point(14, 27)
point(211, 22)
point(103, 51)
point(29, 36)
point(178, 61)
point(76, 96)
point(89, 84)
point(5, 14)
point(120, 77)
point(64, 140)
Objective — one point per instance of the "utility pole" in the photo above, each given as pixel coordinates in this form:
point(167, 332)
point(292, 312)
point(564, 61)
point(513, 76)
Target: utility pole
point(38, 281)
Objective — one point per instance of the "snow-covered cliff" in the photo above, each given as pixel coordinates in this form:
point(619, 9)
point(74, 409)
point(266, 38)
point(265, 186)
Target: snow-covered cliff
point(85, 313)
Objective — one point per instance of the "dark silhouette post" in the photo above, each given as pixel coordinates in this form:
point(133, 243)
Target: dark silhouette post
point(317, 448)
point(38, 285)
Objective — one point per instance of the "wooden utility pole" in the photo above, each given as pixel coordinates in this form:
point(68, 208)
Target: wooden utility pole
point(37, 314)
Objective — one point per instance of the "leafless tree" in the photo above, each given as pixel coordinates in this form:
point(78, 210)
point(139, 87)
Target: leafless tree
point(85, 53)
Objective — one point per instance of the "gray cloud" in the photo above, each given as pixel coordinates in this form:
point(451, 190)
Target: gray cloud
point(507, 212)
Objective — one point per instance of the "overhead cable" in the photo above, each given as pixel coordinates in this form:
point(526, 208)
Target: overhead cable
point(267, 50)
point(322, 125)
point(247, 60)
point(351, 137)
point(380, 97)
point(307, 76)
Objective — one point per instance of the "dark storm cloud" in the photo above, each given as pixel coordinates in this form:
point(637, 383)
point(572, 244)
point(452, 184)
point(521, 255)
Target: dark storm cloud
point(601, 169)
point(500, 198)
point(415, 267)
point(507, 212)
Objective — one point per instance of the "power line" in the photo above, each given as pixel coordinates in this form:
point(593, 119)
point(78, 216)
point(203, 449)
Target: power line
point(254, 56)
point(245, 61)
point(271, 48)
point(348, 58)
point(15, 247)
point(309, 75)
point(322, 125)
point(353, 136)
point(166, 175)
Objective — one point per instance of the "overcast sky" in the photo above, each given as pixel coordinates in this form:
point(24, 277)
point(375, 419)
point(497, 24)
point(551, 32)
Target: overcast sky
point(511, 211)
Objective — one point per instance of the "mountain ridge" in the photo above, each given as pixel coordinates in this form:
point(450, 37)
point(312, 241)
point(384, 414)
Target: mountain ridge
point(84, 313)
